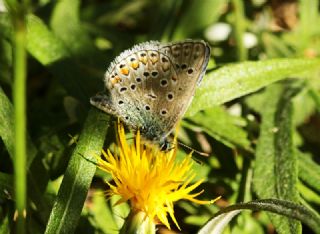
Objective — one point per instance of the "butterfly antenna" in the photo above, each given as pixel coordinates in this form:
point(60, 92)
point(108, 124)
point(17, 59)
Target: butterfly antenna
point(196, 151)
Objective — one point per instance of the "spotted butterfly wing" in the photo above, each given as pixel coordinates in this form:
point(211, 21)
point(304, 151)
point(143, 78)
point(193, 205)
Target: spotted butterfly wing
point(150, 86)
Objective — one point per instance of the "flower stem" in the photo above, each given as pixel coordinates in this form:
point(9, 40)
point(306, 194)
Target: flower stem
point(239, 24)
point(19, 99)
point(138, 223)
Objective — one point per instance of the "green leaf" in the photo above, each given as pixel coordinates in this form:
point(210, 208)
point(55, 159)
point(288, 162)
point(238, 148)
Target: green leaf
point(202, 13)
point(51, 51)
point(237, 80)
point(6, 26)
point(280, 207)
point(5, 49)
point(5, 225)
point(305, 106)
point(6, 185)
point(276, 47)
point(305, 32)
point(7, 128)
point(102, 214)
point(78, 176)
point(221, 126)
point(218, 223)
point(239, 25)
point(42, 43)
point(6, 120)
point(71, 33)
point(275, 171)
point(316, 98)
point(309, 171)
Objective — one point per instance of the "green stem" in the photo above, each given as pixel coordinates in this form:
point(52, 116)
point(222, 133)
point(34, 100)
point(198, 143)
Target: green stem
point(19, 98)
point(239, 24)
point(281, 207)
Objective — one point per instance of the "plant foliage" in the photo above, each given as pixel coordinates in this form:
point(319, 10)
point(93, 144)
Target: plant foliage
point(256, 112)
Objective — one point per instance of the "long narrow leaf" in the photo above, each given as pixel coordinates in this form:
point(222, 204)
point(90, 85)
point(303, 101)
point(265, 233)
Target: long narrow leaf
point(78, 176)
point(309, 171)
point(42, 43)
point(7, 129)
point(72, 33)
point(275, 172)
point(280, 207)
point(220, 125)
point(6, 185)
point(234, 81)
point(6, 119)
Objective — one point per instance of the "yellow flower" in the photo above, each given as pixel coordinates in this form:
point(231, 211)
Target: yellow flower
point(149, 179)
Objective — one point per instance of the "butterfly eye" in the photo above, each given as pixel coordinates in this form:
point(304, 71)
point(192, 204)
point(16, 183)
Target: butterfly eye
point(120, 102)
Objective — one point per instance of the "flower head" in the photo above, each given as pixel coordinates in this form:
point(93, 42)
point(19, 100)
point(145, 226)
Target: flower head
point(150, 179)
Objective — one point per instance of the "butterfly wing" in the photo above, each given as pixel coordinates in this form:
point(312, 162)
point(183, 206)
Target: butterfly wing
point(128, 95)
point(189, 59)
point(151, 85)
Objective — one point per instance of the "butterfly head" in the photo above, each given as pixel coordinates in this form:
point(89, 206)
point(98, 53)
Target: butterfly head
point(156, 136)
point(165, 145)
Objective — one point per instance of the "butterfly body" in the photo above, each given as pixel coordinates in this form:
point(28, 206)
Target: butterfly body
point(150, 86)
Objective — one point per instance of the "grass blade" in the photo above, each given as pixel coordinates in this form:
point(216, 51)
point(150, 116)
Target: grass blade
point(275, 172)
point(77, 179)
point(221, 126)
point(235, 81)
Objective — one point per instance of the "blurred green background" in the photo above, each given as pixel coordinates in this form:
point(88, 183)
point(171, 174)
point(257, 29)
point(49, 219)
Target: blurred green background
point(263, 137)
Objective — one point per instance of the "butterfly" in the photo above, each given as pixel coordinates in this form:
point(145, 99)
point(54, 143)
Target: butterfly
point(150, 86)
